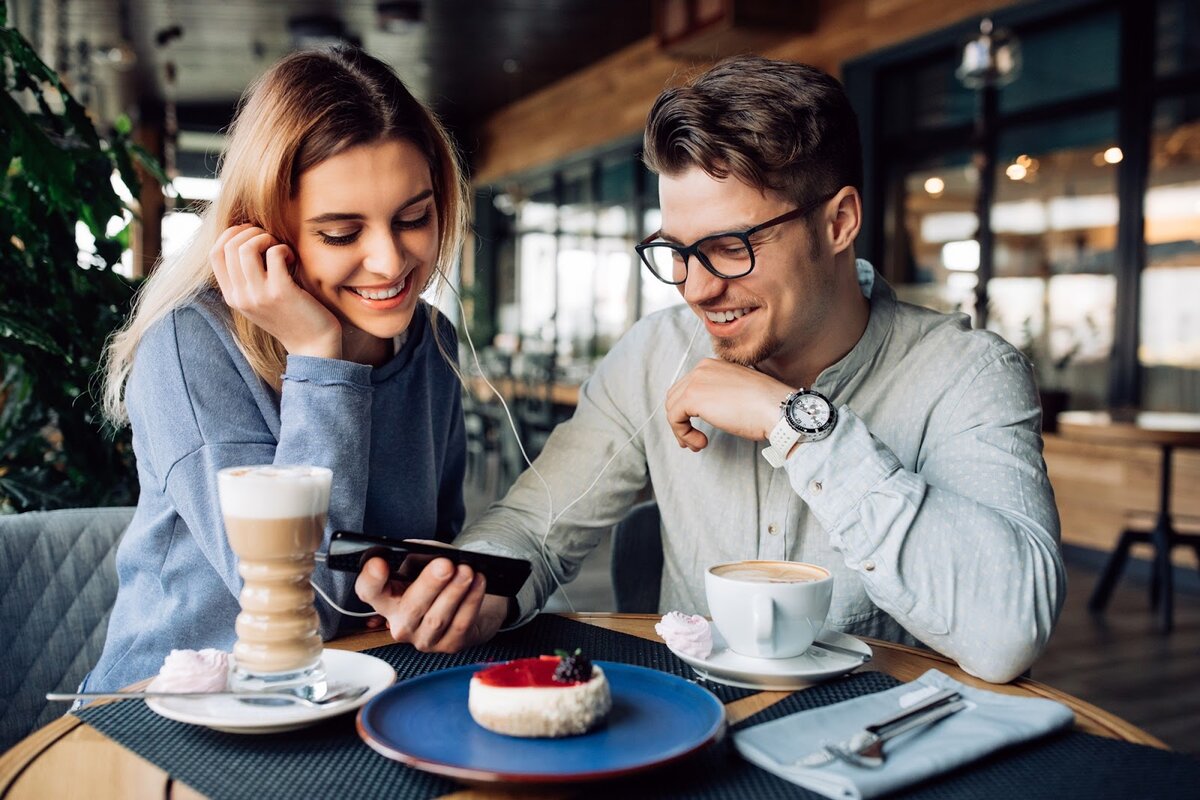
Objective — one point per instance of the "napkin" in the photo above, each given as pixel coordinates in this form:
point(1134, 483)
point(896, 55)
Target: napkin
point(990, 721)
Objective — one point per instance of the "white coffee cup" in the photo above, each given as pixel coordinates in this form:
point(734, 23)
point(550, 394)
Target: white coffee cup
point(768, 609)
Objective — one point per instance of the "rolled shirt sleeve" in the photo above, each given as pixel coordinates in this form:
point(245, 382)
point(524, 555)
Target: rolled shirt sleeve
point(963, 551)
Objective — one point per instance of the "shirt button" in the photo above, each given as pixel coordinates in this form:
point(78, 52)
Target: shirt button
point(815, 487)
point(868, 565)
point(772, 529)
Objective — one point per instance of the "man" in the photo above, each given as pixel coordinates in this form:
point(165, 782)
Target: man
point(913, 471)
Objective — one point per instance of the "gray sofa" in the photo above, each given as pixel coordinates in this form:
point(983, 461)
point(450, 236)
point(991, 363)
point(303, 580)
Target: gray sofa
point(58, 581)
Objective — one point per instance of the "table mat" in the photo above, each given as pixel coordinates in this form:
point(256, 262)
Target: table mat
point(329, 760)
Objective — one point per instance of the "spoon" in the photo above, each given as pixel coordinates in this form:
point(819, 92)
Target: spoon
point(341, 694)
point(865, 749)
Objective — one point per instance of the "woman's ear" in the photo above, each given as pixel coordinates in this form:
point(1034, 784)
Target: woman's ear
point(846, 219)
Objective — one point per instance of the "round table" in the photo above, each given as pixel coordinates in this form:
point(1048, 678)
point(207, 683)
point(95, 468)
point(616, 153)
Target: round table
point(68, 758)
point(1165, 431)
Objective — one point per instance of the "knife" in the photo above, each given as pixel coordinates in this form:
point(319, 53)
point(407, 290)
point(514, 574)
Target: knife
point(845, 651)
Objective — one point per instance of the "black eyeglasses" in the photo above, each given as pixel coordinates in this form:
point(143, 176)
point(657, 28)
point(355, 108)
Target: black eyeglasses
point(726, 255)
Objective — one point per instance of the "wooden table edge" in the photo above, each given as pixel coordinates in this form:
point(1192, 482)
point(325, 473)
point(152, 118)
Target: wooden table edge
point(15, 761)
point(1126, 434)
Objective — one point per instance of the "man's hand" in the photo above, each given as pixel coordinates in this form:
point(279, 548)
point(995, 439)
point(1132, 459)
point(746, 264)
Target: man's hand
point(442, 611)
point(736, 399)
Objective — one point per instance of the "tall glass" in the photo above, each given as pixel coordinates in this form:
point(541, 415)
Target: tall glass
point(275, 521)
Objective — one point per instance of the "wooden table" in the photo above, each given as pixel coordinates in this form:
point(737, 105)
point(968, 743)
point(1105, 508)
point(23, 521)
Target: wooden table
point(1162, 430)
point(561, 394)
point(68, 758)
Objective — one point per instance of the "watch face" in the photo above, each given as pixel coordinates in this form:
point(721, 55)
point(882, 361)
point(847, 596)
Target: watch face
point(809, 412)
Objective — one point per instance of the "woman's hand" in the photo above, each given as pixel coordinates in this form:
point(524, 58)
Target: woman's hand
point(444, 610)
point(253, 270)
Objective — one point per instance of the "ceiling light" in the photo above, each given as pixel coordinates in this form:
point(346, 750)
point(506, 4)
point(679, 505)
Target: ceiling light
point(1016, 172)
point(991, 59)
point(1113, 155)
point(935, 186)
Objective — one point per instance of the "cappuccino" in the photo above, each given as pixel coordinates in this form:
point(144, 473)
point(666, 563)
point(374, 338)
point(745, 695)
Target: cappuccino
point(771, 572)
point(768, 609)
point(275, 521)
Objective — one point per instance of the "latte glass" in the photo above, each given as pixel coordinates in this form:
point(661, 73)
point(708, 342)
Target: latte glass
point(275, 521)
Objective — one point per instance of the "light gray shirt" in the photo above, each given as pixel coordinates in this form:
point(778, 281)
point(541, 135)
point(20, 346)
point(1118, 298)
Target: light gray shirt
point(929, 502)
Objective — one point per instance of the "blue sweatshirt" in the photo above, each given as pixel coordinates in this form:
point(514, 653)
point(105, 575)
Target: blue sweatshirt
point(393, 436)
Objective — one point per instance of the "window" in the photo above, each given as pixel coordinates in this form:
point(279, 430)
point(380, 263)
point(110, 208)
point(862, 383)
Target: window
point(576, 273)
point(1059, 261)
point(1169, 344)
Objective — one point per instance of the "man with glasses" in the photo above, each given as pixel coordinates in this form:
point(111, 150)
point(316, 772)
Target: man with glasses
point(902, 449)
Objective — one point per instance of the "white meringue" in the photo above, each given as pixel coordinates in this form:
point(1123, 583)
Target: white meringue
point(690, 635)
point(193, 671)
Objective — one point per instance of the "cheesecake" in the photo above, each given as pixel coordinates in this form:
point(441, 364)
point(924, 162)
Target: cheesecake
point(547, 696)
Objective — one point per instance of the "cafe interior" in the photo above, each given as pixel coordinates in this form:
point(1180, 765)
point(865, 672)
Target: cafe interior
point(1033, 165)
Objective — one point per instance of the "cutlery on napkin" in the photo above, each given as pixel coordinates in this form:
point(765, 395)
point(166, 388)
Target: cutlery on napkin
point(990, 722)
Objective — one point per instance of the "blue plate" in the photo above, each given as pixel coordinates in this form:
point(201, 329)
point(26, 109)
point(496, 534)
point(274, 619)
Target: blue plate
point(656, 718)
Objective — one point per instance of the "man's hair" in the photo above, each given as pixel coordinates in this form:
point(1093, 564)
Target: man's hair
point(773, 125)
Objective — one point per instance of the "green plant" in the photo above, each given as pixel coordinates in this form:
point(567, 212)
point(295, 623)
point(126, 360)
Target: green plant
point(56, 312)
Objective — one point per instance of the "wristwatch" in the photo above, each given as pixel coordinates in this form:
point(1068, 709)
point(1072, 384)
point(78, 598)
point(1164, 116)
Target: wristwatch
point(808, 416)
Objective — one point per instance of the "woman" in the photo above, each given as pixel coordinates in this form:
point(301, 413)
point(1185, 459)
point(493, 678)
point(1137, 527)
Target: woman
point(291, 332)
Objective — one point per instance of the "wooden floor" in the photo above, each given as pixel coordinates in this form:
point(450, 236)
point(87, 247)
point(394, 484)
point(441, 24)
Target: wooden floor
point(1117, 661)
point(1120, 662)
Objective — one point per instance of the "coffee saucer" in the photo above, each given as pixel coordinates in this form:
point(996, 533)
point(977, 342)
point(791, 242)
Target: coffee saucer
point(777, 674)
point(232, 715)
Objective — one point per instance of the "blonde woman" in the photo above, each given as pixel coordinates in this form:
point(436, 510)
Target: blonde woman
point(292, 331)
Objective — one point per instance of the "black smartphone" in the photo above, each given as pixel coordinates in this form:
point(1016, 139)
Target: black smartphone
point(407, 557)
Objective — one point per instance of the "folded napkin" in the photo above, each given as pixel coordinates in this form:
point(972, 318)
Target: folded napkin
point(990, 722)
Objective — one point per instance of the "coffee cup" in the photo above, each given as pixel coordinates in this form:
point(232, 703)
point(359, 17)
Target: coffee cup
point(768, 609)
point(275, 522)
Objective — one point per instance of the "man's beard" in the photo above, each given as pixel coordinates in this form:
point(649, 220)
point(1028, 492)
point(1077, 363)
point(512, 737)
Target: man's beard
point(746, 354)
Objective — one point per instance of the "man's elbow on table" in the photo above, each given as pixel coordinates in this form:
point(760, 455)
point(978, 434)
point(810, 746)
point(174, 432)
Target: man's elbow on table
point(1002, 659)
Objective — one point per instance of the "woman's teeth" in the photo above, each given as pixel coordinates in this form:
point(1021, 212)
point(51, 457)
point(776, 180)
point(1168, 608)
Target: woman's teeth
point(727, 316)
point(380, 294)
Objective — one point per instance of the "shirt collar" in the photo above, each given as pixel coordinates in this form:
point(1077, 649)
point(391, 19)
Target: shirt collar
point(838, 380)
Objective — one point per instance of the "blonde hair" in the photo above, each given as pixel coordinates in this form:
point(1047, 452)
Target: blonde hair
point(308, 107)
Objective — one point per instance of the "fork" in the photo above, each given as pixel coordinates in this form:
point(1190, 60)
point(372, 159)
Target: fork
point(904, 720)
point(865, 749)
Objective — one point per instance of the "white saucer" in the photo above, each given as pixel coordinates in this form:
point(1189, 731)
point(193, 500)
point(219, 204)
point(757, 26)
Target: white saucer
point(231, 715)
point(779, 674)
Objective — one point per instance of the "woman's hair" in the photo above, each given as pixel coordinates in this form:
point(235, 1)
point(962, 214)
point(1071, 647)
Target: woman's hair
point(773, 125)
point(310, 106)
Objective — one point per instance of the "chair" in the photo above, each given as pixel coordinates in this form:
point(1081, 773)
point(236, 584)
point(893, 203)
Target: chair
point(536, 415)
point(637, 560)
point(58, 582)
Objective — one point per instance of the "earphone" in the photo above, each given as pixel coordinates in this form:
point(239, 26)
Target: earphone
point(551, 517)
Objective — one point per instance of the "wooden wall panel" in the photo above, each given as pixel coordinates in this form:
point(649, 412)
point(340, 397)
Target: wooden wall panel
point(1100, 487)
point(610, 99)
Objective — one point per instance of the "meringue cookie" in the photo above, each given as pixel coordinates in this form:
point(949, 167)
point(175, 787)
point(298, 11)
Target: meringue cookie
point(690, 635)
point(193, 671)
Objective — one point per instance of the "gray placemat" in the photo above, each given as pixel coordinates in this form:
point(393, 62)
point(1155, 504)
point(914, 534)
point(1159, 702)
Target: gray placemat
point(329, 760)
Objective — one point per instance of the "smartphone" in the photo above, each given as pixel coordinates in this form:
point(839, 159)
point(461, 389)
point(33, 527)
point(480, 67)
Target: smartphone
point(348, 552)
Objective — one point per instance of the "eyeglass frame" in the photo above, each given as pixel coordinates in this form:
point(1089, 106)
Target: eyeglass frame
point(693, 249)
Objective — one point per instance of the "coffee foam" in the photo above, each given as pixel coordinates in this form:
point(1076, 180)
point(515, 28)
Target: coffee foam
point(274, 492)
point(770, 572)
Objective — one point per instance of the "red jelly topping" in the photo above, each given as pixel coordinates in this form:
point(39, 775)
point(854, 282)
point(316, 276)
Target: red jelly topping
point(523, 672)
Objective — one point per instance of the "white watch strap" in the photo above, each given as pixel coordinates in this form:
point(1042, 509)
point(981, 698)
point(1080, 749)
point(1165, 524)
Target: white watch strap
point(782, 438)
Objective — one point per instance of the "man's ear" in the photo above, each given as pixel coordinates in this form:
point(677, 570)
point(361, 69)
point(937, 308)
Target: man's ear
point(845, 219)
